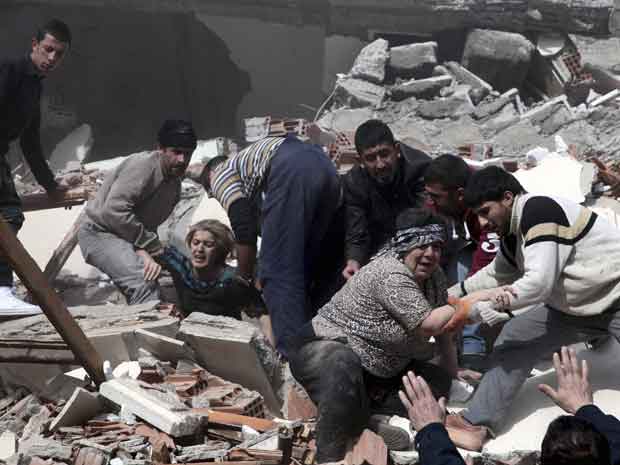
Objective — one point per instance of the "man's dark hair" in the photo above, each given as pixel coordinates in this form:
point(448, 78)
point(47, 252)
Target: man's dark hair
point(372, 133)
point(449, 171)
point(574, 441)
point(56, 28)
point(489, 185)
point(417, 218)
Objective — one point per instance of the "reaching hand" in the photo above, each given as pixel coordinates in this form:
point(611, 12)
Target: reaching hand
point(152, 269)
point(574, 389)
point(420, 403)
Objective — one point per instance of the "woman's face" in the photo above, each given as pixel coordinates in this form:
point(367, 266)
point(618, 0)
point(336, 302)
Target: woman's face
point(203, 249)
point(423, 261)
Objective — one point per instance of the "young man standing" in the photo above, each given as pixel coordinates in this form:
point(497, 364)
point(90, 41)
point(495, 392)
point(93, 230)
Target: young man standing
point(119, 236)
point(562, 263)
point(387, 181)
point(20, 118)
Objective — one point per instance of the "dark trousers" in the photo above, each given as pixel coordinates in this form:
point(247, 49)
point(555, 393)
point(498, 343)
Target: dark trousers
point(301, 195)
point(11, 211)
point(346, 394)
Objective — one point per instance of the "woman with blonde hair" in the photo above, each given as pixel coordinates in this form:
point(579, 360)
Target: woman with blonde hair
point(205, 282)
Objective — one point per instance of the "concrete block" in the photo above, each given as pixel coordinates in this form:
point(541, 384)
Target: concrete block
point(81, 407)
point(413, 60)
point(345, 120)
point(202, 452)
point(8, 445)
point(454, 106)
point(479, 87)
point(61, 387)
point(428, 88)
point(161, 409)
point(236, 351)
point(486, 109)
point(356, 93)
point(163, 347)
point(370, 63)
point(48, 449)
point(500, 58)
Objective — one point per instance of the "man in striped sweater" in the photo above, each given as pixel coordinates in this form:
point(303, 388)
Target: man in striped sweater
point(293, 188)
point(562, 263)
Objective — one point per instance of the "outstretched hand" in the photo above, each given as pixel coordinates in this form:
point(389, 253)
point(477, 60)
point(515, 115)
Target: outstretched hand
point(420, 403)
point(574, 389)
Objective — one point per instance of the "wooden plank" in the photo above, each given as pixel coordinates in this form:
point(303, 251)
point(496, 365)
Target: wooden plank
point(64, 250)
point(54, 308)
point(224, 418)
point(70, 198)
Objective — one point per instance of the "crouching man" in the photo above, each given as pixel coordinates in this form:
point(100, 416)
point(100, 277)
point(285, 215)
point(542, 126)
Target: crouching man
point(119, 236)
point(562, 263)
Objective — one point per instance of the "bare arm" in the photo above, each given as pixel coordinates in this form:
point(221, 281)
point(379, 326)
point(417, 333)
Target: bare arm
point(434, 323)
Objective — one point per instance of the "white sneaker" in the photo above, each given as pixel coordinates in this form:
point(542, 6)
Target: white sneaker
point(10, 305)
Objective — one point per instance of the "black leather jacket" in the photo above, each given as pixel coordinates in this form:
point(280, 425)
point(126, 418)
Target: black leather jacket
point(371, 209)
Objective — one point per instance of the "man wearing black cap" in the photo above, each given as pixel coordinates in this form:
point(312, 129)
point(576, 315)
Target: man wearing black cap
point(119, 236)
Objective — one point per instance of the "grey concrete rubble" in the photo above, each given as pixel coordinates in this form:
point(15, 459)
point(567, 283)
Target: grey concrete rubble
point(420, 88)
point(413, 60)
point(500, 58)
point(370, 63)
point(356, 93)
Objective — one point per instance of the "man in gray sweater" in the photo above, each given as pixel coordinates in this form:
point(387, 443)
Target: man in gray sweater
point(119, 236)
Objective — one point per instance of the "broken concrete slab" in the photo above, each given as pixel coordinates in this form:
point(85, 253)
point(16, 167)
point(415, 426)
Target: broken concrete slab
point(61, 387)
point(413, 60)
point(164, 348)
point(479, 87)
point(202, 452)
point(48, 449)
point(160, 408)
point(8, 445)
point(217, 340)
point(356, 93)
point(453, 107)
point(345, 120)
point(428, 88)
point(370, 63)
point(81, 407)
point(486, 109)
point(500, 58)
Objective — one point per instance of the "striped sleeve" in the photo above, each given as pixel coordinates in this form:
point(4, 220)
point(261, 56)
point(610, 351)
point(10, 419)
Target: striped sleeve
point(243, 175)
point(544, 220)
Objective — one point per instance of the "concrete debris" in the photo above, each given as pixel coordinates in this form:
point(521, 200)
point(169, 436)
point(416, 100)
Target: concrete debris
point(370, 63)
point(413, 60)
point(455, 106)
point(420, 88)
point(48, 449)
point(500, 58)
point(217, 340)
point(8, 445)
point(356, 93)
point(81, 407)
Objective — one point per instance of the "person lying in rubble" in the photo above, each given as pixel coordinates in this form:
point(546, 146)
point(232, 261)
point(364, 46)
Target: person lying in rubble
point(204, 282)
point(119, 234)
point(351, 356)
point(562, 263)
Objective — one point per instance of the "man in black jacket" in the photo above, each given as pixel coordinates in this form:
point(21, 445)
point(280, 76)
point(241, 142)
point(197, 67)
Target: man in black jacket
point(20, 118)
point(388, 180)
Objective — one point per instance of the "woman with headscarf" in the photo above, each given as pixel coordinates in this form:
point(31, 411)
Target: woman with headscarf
point(351, 357)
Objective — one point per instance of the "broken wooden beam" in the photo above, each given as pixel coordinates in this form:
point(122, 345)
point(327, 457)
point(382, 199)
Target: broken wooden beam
point(64, 250)
point(54, 308)
point(224, 418)
point(70, 198)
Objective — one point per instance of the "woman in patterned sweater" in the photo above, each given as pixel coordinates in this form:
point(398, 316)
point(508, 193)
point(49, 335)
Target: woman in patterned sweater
point(352, 355)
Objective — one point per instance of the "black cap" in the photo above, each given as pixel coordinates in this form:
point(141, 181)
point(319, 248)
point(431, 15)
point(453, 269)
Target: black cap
point(177, 133)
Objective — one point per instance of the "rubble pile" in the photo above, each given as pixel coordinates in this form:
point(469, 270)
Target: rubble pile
point(507, 91)
point(159, 404)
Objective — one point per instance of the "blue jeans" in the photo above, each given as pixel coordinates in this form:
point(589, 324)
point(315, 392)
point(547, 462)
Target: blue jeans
point(301, 196)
